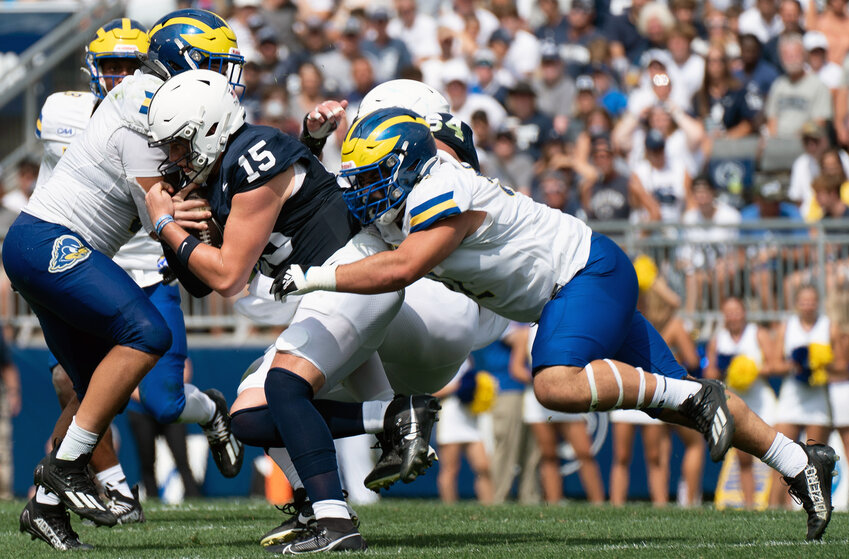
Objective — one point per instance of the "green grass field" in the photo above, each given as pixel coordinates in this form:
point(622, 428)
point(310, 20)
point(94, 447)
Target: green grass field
point(408, 528)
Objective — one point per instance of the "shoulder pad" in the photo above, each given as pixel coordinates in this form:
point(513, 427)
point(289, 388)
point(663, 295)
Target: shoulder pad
point(132, 99)
point(64, 116)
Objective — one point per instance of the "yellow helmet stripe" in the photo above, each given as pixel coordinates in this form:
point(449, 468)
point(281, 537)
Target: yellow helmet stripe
point(392, 121)
point(187, 20)
point(125, 24)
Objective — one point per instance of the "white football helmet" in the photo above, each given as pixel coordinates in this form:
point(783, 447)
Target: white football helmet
point(407, 94)
point(201, 107)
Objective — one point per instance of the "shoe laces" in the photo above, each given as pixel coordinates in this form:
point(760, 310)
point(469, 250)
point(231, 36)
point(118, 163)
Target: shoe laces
point(699, 406)
point(217, 430)
point(77, 477)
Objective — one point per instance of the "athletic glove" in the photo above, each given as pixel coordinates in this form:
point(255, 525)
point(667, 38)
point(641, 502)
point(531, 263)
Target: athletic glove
point(295, 281)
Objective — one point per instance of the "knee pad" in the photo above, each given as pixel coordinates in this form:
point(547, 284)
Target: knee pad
point(162, 403)
point(144, 329)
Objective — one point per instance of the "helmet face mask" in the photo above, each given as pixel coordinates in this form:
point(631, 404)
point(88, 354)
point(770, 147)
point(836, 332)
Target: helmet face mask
point(384, 156)
point(120, 42)
point(194, 39)
point(194, 114)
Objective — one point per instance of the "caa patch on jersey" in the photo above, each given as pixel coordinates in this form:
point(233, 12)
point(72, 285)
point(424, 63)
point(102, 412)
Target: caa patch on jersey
point(64, 116)
point(68, 251)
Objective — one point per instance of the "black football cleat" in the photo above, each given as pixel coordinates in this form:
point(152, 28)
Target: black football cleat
point(127, 509)
point(51, 524)
point(387, 470)
point(708, 410)
point(812, 487)
point(325, 534)
point(227, 451)
point(70, 481)
point(301, 516)
point(408, 424)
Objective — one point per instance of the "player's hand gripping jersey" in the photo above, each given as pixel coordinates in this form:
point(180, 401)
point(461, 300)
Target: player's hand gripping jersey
point(92, 190)
point(506, 265)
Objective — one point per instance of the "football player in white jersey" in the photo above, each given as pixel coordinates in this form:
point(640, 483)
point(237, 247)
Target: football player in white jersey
point(534, 264)
point(110, 57)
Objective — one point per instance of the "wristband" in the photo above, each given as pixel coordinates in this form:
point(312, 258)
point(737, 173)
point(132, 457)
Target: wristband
point(321, 277)
point(162, 222)
point(189, 244)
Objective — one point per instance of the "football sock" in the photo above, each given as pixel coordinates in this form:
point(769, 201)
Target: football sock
point(305, 432)
point(42, 497)
point(77, 442)
point(114, 478)
point(282, 459)
point(670, 393)
point(199, 407)
point(256, 427)
point(330, 508)
point(785, 456)
point(373, 413)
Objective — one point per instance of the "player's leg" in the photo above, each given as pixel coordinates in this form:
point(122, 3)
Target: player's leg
point(620, 469)
point(576, 433)
point(656, 449)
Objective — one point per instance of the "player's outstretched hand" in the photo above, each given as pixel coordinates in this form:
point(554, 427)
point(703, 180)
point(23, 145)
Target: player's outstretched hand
point(324, 119)
point(294, 280)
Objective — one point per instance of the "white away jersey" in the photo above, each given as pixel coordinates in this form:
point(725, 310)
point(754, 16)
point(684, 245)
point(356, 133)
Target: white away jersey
point(63, 118)
point(92, 190)
point(513, 262)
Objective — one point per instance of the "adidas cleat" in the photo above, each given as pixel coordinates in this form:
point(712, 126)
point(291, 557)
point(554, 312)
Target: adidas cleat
point(326, 534)
point(708, 410)
point(227, 451)
point(51, 524)
point(387, 470)
point(70, 481)
point(408, 424)
point(812, 487)
point(127, 509)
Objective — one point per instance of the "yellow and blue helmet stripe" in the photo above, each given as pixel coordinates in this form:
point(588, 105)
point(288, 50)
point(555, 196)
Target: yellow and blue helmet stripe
point(193, 39)
point(384, 155)
point(120, 38)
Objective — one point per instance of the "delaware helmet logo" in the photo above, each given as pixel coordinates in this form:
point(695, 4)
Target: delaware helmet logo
point(68, 251)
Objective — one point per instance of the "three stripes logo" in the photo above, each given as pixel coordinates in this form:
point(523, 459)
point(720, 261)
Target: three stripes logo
point(718, 425)
point(83, 500)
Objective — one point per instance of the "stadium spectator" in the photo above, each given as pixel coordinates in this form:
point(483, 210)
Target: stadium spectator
point(685, 13)
point(435, 70)
point(555, 90)
point(816, 45)
point(687, 66)
point(606, 194)
point(609, 96)
point(244, 19)
point(311, 91)
point(798, 96)
point(275, 111)
point(761, 20)
point(725, 108)
point(751, 350)
point(454, 18)
point(281, 16)
point(755, 69)
point(364, 80)
point(718, 32)
point(10, 406)
point(707, 258)
point(490, 80)
point(559, 191)
point(682, 134)
point(806, 168)
point(627, 45)
point(531, 126)
point(555, 25)
point(803, 398)
point(416, 29)
point(274, 68)
point(657, 86)
point(507, 164)
point(335, 64)
point(599, 123)
point(389, 53)
point(655, 23)
point(585, 102)
point(832, 22)
point(514, 453)
point(765, 259)
point(459, 432)
point(581, 32)
point(455, 78)
point(523, 55)
point(663, 178)
point(312, 38)
point(790, 13)
point(27, 176)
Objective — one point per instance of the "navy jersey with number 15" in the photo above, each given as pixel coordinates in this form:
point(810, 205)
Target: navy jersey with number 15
point(313, 223)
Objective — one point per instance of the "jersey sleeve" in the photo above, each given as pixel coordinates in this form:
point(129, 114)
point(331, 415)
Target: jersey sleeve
point(436, 198)
point(137, 158)
point(263, 155)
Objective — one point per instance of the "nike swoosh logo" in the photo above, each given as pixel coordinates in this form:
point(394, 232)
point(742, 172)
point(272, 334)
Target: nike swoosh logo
point(224, 187)
point(414, 424)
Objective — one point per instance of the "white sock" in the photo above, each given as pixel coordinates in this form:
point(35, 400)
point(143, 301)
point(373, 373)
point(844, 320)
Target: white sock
point(373, 413)
point(199, 407)
point(114, 478)
point(785, 456)
point(44, 498)
point(671, 393)
point(282, 459)
point(330, 508)
point(77, 442)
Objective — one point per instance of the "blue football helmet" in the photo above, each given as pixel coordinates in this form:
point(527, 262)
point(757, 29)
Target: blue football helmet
point(122, 38)
point(384, 155)
point(194, 39)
